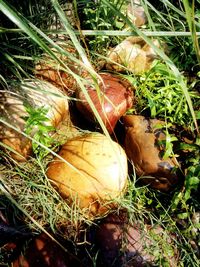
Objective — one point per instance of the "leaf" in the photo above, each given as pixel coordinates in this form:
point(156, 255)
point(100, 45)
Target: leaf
point(183, 215)
point(193, 182)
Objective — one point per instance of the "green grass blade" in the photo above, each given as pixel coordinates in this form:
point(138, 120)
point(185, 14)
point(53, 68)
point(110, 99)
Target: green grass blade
point(20, 22)
point(189, 11)
point(178, 11)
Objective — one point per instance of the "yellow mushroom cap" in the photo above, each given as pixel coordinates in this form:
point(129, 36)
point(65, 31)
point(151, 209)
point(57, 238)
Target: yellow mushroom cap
point(95, 172)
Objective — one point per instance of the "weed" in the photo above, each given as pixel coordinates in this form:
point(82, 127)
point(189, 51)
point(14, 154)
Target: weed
point(159, 95)
point(96, 15)
point(37, 122)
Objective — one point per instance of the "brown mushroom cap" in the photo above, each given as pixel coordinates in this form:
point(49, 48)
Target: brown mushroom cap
point(136, 13)
point(96, 172)
point(143, 149)
point(50, 70)
point(116, 97)
point(124, 243)
point(133, 54)
point(41, 94)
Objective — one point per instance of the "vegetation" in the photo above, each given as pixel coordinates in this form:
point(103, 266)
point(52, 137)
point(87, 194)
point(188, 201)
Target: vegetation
point(168, 91)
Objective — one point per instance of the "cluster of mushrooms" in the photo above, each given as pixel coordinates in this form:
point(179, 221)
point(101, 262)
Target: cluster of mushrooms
point(91, 168)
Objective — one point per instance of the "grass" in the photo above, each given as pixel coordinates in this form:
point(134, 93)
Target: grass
point(165, 92)
point(159, 94)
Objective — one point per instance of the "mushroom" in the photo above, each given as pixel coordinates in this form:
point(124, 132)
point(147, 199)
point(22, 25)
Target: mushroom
point(93, 175)
point(133, 54)
point(113, 100)
point(124, 243)
point(144, 149)
point(52, 71)
point(12, 109)
point(136, 13)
